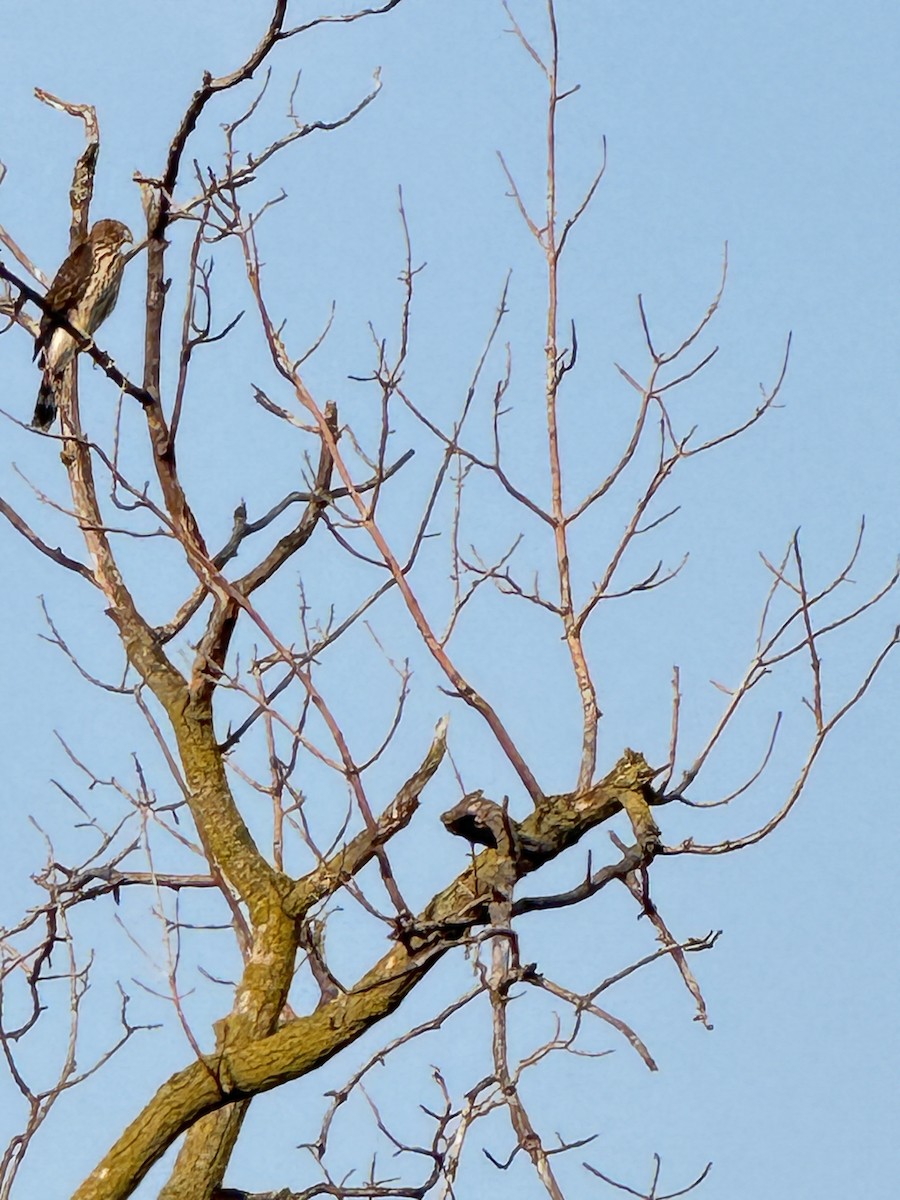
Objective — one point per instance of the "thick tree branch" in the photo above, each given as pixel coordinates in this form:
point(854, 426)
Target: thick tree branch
point(239, 1071)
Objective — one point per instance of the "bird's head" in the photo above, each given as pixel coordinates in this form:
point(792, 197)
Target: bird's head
point(112, 233)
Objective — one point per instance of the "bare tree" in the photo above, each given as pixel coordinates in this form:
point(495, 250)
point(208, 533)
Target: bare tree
point(278, 809)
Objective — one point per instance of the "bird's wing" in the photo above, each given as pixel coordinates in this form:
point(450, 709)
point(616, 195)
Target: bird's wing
point(66, 290)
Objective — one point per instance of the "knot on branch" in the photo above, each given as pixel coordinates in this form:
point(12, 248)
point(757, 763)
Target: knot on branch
point(484, 822)
point(632, 772)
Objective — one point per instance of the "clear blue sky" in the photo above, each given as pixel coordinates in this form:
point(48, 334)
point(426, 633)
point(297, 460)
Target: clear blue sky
point(772, 126)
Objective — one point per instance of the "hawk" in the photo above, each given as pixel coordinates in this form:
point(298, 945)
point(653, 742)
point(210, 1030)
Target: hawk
point(84, 291)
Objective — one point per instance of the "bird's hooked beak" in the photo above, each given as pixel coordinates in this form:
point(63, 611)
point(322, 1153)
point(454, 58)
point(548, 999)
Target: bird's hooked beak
point(128, 240)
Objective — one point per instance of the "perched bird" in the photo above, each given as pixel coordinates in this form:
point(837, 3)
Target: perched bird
point(84, 291)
